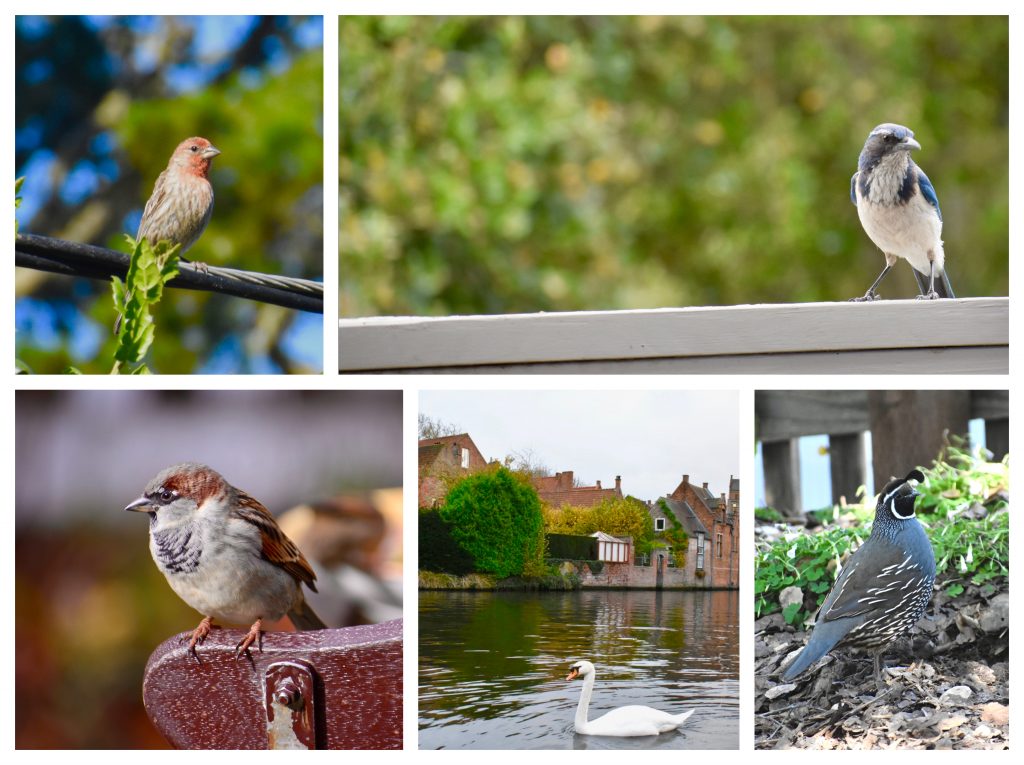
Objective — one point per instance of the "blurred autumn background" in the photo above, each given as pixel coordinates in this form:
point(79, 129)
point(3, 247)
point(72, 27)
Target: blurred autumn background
point(496, 164)
point(90, 604)
point(100, 104)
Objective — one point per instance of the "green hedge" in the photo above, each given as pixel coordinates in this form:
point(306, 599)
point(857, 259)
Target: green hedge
point(571, 547)
point(439, 551)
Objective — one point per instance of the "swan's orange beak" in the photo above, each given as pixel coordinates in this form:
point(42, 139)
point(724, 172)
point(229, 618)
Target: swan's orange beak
point(573, 674)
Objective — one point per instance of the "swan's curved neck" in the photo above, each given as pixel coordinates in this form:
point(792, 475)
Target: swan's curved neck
point(584, 705)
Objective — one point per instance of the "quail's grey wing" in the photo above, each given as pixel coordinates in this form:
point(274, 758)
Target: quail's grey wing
point(862, 589)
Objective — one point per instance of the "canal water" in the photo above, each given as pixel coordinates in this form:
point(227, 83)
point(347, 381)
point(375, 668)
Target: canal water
point(492, 666)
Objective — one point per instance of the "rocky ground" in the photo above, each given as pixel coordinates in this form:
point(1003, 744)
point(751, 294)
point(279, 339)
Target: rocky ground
point(944, 687)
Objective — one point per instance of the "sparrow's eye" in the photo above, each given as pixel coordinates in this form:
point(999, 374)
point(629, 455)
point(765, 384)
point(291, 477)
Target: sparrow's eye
point(167, 495)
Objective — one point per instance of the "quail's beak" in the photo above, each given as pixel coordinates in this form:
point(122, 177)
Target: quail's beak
point(909, 144)
point(212, 151)
point(140, 505)
point(573, 674)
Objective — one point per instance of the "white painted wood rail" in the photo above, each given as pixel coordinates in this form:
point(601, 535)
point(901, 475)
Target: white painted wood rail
point(964, 336)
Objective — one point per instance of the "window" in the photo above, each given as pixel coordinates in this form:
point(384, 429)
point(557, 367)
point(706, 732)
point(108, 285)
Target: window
point(718, 545)
point(659, 524)
point(700, 550)
point(465, 457)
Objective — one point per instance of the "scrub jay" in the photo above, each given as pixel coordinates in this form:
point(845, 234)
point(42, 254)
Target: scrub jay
point(899, 210)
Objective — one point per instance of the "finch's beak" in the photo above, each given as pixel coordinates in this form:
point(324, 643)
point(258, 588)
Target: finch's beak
point(140, 505)
point(909, 144)
point(573, 674)
point(212, 151)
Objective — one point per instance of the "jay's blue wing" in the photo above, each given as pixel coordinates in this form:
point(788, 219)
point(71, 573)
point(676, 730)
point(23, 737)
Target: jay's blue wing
point(853, 188)
point(928, 191)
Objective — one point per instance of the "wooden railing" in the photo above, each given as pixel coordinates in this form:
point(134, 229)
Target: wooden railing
point(964, 336)
point(908, 429)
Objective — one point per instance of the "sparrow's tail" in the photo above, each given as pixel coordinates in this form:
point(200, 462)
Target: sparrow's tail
point(305, 618)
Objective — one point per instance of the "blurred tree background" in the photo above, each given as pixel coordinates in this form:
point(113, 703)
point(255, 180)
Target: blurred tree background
point(557, 163)
point(100, 104)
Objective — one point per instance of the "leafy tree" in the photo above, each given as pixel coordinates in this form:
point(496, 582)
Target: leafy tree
point(626, 517)
point(496, 518)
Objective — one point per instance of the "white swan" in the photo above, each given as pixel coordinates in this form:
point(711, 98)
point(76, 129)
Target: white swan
point(623, 721)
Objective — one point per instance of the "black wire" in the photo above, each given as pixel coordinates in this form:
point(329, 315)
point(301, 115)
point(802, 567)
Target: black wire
point(59, 256)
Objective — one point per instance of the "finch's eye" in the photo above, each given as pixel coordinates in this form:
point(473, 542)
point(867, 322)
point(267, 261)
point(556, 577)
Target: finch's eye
point(195, 148)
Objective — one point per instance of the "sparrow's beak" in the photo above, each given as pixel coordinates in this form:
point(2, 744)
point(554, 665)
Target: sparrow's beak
point(212, 151)
point(140, 505)
point(909, 144)
point(573, 674)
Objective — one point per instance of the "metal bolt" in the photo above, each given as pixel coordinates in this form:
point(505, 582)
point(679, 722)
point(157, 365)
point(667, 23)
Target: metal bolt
point(288, 693)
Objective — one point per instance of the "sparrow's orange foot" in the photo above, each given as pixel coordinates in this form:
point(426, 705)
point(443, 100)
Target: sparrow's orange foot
point(255, 635)
point(199, 635)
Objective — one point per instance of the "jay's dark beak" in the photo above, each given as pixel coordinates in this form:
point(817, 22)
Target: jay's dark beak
point(909, 144)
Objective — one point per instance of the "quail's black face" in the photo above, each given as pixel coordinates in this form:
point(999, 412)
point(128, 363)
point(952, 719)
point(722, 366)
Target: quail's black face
point(888, 138)
point(899, 495)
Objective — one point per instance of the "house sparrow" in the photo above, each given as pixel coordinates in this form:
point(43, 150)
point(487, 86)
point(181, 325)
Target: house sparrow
point(182, 201)
point(224, 554)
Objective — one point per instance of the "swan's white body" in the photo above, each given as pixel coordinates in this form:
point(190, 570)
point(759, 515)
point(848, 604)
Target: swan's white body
point(622, 721)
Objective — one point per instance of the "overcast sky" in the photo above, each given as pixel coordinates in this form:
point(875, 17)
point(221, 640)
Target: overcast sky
point(650, 438)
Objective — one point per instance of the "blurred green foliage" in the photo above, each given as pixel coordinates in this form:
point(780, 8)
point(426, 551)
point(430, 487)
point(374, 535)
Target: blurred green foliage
point(554, 163)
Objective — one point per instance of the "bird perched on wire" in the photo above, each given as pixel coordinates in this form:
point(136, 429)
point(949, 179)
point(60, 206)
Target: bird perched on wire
point(899, 210)
point(883, 588)
point(223, 553)
point(181, 204)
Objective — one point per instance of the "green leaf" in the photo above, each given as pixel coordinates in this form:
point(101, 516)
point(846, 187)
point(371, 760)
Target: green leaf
point(789, 613)
point(149, 270)
point(954, 589)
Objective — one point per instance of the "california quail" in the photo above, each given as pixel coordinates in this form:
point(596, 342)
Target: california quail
point(883, 588)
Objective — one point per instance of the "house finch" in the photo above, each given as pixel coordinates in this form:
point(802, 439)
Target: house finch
point(182, 200)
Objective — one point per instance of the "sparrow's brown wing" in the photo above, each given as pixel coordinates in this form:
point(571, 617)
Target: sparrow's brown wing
point(277, 548)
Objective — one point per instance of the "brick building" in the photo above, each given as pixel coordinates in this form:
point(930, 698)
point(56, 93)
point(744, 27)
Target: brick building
point(713, 525)
point(558, 489)
point(442, 460)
